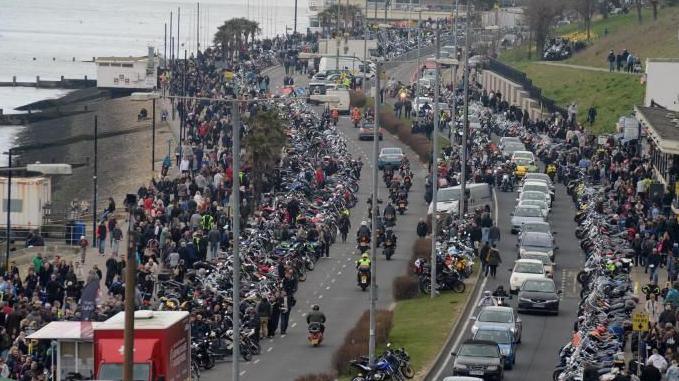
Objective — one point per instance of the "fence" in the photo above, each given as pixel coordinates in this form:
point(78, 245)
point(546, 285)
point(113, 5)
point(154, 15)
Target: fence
point(520, 77)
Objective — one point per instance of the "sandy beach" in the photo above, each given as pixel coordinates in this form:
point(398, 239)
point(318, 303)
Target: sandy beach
point(124, 161)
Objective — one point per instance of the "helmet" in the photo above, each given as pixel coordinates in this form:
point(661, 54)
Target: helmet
point(487, 294)
point(315, 307)
point(365, 256)
point(364, 223)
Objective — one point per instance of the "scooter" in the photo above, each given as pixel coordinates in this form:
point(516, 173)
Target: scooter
point(363, 244)
point(402, 207)
point(364, 278)
point(315, 336)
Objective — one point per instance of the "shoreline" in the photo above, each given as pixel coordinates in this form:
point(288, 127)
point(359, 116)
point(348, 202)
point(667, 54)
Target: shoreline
point(124, 158)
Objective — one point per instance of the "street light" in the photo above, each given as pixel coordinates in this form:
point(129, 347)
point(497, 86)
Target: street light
point(45, 169)
point(142, 97)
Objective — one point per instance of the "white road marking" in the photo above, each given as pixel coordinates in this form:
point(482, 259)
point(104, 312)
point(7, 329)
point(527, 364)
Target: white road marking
point(339, 273)
point(256, 361)
point(269, 349)
point(320, 296)
point(344, 266)
point(293, 325)
point(333, 280)
point(242, 373)
point(462, 334)
point(327, 288)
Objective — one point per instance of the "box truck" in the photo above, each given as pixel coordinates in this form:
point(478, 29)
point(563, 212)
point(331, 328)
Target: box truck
point(162, 346)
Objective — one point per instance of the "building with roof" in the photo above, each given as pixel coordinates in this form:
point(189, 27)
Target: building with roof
point(133, 73)
point(662, 137)
point(662, 83)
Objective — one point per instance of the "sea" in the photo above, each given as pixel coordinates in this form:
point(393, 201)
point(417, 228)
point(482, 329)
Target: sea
point(54, 38)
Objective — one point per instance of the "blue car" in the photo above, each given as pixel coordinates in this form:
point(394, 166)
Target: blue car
point(390, 157)
point(504, 339)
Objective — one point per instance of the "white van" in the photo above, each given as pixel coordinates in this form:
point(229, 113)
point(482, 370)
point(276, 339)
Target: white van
point(448, 199)
point(339, 99)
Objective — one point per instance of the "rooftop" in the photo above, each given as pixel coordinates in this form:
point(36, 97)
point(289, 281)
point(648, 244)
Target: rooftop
point(145, 320)
point(663, 126)
point(121, 59)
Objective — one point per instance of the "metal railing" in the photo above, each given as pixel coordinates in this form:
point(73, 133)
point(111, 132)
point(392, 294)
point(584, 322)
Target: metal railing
point(522, 79)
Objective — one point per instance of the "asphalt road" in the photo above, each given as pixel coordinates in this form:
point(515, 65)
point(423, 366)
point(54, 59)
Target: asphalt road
point(543, 335)
point(332, 284)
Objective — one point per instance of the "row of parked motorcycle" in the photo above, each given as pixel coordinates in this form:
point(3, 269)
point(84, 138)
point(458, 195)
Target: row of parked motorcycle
point(271, 245)
point(607, 300)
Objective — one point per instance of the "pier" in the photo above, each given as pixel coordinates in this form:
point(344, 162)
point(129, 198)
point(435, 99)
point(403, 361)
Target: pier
point(63, 83)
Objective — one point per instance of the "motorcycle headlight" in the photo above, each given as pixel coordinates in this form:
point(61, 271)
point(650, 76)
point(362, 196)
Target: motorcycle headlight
point(377, 376)
point(474, 329)
point(512, 330)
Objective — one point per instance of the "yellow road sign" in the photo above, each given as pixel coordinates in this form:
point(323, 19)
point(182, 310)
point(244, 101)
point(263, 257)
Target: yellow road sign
point(639, 322)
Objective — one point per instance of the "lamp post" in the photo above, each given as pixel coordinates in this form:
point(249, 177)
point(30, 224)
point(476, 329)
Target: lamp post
point(373, 240)
point(465, 77)
point(152, 97)
point(434, 168)
point(45, 169)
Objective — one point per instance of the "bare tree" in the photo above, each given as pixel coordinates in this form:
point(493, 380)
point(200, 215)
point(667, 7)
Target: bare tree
point(540, 16)
point(638, 4)
point(585, 8)
point(654, 4)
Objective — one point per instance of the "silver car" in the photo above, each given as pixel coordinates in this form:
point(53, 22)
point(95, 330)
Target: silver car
point(525, 214)
point(493, 317)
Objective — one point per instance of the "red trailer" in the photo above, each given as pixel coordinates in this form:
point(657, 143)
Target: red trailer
point(162, 346)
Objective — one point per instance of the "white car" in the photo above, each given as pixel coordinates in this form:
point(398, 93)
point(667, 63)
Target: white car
point(525, 269)
point(538, 186)
point(523, 155)
point(537, 176)
point(543, 257)
point(544, 207)
point(534, 195)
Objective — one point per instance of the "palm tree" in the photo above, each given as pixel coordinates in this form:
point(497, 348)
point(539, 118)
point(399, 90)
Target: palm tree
point(264, 141)
point(234, 33)
point(328, 17)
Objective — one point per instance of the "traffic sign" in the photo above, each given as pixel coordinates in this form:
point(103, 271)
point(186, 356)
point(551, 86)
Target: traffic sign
point(640, 322)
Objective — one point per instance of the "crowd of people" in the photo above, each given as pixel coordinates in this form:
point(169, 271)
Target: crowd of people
point(623, 61)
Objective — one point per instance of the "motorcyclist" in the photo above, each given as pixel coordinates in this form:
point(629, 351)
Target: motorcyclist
point(363, 232)
point(389, 236)
point(316, 316)
point(362, 264)
point(389, 212)
point(487, 300)
point(402, 196)
point(500, 292)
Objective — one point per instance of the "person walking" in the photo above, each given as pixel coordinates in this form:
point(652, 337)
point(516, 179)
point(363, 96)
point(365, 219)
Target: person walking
point(422, 228)
point(286, 306)
point(493, 259)
point(494, 234)
point(116, 236)
point(483, 256)
point(101, 237)
point(275, 315)
point(214, 237)
point(83, 243)
point(264, 313)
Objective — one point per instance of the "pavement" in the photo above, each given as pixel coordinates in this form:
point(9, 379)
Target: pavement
point(583, 67)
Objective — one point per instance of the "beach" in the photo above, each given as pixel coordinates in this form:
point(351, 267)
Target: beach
point(124, 161)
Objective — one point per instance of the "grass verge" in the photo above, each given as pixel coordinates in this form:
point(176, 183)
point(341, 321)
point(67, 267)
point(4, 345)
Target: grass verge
point(613, 95)
point(422, 324)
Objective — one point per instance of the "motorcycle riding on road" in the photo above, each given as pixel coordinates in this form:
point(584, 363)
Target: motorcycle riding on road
point(363, 237)
point(363, 267)
point(316, 325)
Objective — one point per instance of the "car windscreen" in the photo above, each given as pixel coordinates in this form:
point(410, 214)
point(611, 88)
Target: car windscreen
point(498, 336)
point(538, 286)
point(544, 258)
point(391, 151)
point(478, 350)
point(527, 212)
point(535, 187)
point(536, 239)
point(528, 268)
point(523, 162)
point(538, 203)
point(532, 195)
point(496, 316)
point(448, 194)
point(535, 227)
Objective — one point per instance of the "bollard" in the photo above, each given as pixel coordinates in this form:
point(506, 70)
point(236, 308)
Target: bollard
point(1, 112)
point(37, 81)
point(85, 107)
point(62, 79)
point(14, 81)
point(85, 78)
point(73, 59)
